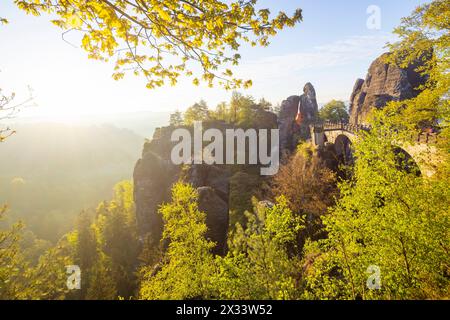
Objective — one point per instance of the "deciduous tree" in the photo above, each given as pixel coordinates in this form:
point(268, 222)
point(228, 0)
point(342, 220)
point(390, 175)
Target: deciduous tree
point(163, 40)
point(187, 268)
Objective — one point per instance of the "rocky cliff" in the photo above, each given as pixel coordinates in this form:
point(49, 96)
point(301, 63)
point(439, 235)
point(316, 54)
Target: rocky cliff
point(154, 175)
point(383, 83)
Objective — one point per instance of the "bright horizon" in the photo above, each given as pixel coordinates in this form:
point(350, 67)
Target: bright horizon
point(331, 48)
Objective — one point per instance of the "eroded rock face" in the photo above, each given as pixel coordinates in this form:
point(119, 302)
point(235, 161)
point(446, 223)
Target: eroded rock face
point(290, 131)
point(383, 83)
point(154, 176)
point(286, 121)
point(212, 183)
point(308, 104)
point(217, 219)
point(215, 176)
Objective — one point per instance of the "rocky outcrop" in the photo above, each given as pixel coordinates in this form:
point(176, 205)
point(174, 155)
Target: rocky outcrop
point(286, 121)
point(217, 220)
point(308, 104)
point(384, 83)
point(290, 131)
point(153, 177)
point(212, 183)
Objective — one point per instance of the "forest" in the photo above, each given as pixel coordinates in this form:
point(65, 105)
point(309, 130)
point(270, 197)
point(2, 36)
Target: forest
point(373, 227)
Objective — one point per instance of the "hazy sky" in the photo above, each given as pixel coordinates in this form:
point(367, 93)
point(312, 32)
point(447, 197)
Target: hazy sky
point(331, 48)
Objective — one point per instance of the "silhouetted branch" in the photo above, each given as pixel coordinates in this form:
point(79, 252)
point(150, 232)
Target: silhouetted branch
point(9, 109)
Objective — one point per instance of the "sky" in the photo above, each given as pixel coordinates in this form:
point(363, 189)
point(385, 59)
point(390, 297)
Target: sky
point(331, 48)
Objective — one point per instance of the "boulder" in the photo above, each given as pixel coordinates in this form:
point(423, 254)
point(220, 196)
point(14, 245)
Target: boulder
point(216, 177)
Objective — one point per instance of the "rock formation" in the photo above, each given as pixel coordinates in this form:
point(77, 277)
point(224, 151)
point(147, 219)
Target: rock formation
point(154, 175)
point(384, 83)
point(217, 220)
point(212, 183)
point(286, 121)
point(291, 132)
point(308, 104)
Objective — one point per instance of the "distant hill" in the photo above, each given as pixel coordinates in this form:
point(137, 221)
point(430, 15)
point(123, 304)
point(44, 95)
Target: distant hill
point(49, 172)
point(142, 123)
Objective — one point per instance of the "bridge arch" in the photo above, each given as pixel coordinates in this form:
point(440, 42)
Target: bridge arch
point(406, 161)
point(426, 157)
point(343, 149)
point(422, 154)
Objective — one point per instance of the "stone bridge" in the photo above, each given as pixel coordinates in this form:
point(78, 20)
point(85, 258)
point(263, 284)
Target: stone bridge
point(421, 148)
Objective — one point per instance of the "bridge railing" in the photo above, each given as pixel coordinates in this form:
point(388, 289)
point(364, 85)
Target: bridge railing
point(425, 137)
point(329, 126)
point(422, 137)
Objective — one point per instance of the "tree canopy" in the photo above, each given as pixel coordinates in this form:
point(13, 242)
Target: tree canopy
point(197, 112)
point(334, 111)
point(388, 218)
point(164, 39)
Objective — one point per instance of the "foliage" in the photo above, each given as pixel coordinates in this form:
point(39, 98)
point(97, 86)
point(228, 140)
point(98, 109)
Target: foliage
point(334, 111)
point(163, 40)
point(47, 281)
point(424, 38)
point(308, 185)
point(116, 231)
point(221, 112)
point(176, 119)
point(243, 111)
point(187, 267)
point(198, 112)
point(11, 261)
point(389, 218)
point(258, 264)
point(21, 280)
point(243, 186)
point(240, 108)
